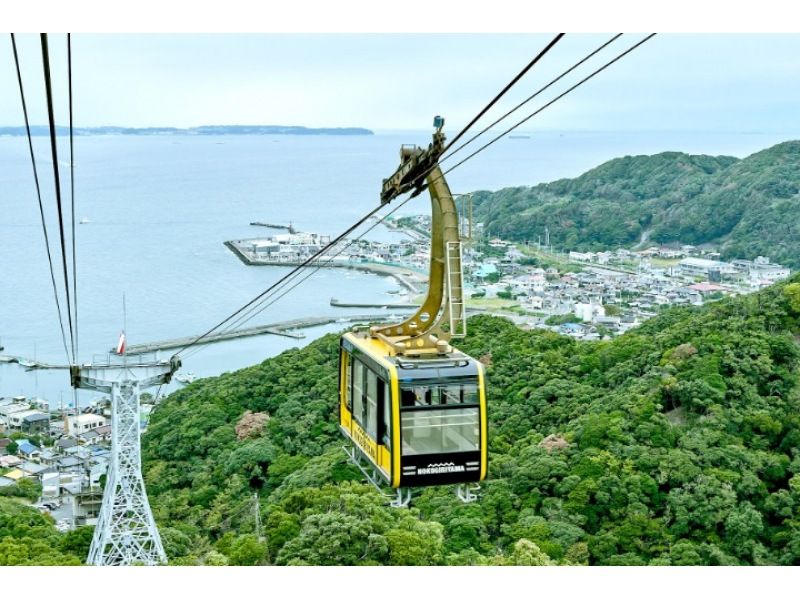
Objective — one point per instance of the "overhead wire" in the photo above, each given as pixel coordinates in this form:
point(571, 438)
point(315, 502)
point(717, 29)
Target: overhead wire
point(39, 197)
point(54, 152)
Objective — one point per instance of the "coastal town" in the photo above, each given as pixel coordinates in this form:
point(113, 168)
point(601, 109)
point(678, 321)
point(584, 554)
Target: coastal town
point(57, 458)
point(585, 295)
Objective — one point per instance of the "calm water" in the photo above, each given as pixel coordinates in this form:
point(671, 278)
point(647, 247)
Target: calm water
point(161, 207)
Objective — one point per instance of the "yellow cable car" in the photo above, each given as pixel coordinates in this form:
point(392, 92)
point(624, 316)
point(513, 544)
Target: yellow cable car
point(413, 407)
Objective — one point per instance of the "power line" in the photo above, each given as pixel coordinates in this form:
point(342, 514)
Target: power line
point(54, 152)
point(503, 91)
point(39, 196)
point(529, 98)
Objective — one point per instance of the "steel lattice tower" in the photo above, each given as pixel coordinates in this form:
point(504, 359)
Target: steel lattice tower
point(126, 532)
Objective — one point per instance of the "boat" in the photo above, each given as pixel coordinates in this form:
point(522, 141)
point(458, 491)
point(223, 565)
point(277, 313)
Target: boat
point(85, 221)
point(186, 378)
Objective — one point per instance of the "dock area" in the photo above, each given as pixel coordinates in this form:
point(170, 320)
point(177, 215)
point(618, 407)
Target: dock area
point(285, 328)
point(412, 280)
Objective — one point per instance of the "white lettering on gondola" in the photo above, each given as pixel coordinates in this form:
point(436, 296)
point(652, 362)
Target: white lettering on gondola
point(438, 468)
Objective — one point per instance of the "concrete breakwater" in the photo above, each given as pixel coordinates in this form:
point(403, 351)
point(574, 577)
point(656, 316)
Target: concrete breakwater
point(31, 364)
point(285, 328)
point(406, 306)
point(411, 279)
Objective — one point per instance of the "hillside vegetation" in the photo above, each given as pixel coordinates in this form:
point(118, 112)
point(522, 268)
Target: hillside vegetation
point(749, 207)
point(677, 443)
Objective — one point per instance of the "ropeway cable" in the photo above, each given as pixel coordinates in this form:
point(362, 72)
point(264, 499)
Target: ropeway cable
point(503, 91)
point(529, 98)
point(39, 197)
point(273, 297)
point(256, 306)
point(54, 152)
point(362, 220)
point(72, 197)
point(553, 101)
point(282, 279)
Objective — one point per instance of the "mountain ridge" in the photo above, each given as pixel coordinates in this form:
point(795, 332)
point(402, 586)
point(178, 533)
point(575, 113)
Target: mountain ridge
point(748, 206)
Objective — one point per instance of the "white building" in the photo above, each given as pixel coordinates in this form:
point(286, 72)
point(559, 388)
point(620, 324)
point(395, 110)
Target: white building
point(79, 424)
point(703, 268)
point(760, 271)
point(18, 419)
point(577, 256)
point(588, 312)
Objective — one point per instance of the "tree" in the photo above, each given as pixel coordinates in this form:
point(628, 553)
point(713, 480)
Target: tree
point(247, 550)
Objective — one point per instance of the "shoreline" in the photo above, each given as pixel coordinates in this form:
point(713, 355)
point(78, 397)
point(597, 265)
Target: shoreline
point(410, 279)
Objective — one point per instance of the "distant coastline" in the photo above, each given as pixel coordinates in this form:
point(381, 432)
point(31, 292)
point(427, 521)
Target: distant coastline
point(41, 130)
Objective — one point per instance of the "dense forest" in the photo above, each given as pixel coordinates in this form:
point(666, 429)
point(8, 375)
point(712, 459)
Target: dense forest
point(748, 207)
point(677, 443)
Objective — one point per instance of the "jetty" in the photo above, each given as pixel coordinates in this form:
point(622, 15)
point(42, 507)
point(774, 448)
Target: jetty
point(31, 364)
point(286, 328)
point(406, 306)
point(410, 279)
point(412, 233)
point(288, 227)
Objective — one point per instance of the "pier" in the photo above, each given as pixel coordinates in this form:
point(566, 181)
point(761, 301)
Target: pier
point(285, 328)
point(287, 227)
point(406, 306)
point(31, 364)
point(410, 279)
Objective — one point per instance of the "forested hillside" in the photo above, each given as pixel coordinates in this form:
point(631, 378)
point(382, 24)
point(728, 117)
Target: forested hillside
point(677, 443)
point(749, 207)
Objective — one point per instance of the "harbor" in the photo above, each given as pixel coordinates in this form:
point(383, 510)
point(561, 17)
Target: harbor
point(256, 252)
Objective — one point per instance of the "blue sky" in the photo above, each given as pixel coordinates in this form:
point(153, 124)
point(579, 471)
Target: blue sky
point(714, 82)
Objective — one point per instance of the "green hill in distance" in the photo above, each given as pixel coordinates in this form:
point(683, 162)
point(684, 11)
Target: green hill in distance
point(747, 207)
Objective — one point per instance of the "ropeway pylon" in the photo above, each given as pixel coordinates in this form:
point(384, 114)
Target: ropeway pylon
point(126, 532)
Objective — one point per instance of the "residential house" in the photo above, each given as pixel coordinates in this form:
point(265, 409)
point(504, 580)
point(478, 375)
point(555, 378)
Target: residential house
point(27, 449)
point(78, 424)
point(63, 444)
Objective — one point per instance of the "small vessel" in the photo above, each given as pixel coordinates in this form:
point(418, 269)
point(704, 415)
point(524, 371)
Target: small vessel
point(186, 378)
point(84, 221)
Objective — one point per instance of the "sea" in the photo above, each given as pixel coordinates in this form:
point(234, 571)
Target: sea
point(156, 211)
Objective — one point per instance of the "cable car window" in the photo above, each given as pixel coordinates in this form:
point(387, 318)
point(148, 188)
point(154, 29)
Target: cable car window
point(386, 407)
point(358, 393)
point(427, 431)
point(442, 392)
point(370, 416)
point(348, 384)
